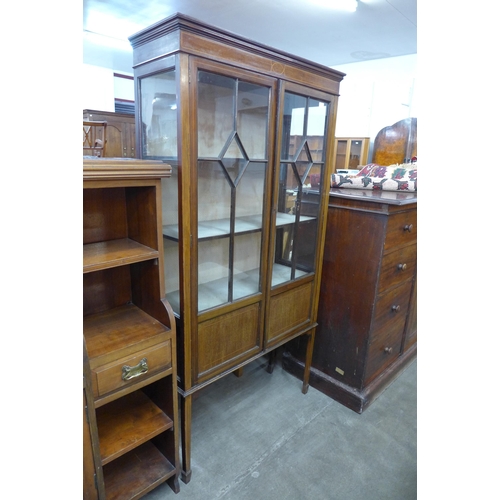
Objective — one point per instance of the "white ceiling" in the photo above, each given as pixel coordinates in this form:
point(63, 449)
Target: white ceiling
point(378, 29)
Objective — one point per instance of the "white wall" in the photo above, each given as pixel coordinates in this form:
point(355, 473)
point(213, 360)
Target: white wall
point(375, 94)
point(101, 88)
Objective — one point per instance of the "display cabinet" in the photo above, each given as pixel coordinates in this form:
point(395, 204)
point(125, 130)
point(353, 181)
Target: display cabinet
point(245, 128)
point(130, 374)
point(350, 152)
point(367, 311)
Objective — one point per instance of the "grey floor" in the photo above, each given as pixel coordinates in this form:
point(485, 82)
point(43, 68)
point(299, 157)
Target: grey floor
point(258, 437)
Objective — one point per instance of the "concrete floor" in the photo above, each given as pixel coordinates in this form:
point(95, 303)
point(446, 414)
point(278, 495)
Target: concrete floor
point(258, 437)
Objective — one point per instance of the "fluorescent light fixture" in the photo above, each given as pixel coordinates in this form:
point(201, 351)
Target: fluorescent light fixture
point(346, 5)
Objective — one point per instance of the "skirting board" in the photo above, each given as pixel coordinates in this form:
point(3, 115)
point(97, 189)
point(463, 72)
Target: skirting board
point(356, 400)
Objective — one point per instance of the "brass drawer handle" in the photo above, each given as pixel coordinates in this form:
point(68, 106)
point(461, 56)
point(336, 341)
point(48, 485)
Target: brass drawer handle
point(402, 267)
point(408, 227)
point(388, 350)
point(396, 308)
point(129, 372)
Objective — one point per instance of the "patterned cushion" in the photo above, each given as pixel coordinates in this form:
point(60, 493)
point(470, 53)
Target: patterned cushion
point(392, 178)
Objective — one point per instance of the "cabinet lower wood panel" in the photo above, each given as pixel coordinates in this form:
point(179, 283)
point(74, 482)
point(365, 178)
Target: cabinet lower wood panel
point(227, 338)
point(367, 309)
point(291, 309)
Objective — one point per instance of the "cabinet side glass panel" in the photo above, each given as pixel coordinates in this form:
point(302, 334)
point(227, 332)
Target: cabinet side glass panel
point(301, 169)
point(158, 115)
point(232, 165)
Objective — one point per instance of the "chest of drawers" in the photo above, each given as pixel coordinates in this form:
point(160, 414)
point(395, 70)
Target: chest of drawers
point(367, 328)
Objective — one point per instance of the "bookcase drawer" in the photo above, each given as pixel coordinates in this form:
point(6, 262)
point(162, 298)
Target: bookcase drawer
point(131, 369)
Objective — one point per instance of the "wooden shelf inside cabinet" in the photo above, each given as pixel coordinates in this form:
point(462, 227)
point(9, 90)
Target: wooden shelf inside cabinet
point(221, 227)
point(107, 254)
point(127, 423)
point(136, 473)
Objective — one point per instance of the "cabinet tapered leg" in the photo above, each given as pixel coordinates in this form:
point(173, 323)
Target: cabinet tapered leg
point(186, 412)
point(272, 361)
point(308, 360)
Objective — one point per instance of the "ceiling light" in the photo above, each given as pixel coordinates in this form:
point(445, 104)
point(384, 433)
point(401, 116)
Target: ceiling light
point(347, 5)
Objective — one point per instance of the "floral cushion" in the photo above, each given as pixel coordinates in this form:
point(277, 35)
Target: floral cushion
point(401, 177)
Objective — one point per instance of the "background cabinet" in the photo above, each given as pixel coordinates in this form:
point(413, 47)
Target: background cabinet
point(367, 312)
point(120, 132)
point(130, 391)
point(350, 152)
point(244, 127)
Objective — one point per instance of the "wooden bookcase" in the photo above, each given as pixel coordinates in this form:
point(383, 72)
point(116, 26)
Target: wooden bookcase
point(350, 153)
point(130, 370)
point(244, 127)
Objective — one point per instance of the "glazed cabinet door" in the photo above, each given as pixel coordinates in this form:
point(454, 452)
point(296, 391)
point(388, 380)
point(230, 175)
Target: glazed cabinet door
point(233, 175)
point(302, 166)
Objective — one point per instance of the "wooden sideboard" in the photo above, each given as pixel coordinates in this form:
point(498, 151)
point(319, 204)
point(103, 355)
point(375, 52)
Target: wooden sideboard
point(120, 132)
point(367, 321)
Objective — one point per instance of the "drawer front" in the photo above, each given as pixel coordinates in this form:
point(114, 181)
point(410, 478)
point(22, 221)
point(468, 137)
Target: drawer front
point(384, 350)
point(131, 369)
point(401, 229)
point(391, 307)
point(387, 333)
point(397, 266)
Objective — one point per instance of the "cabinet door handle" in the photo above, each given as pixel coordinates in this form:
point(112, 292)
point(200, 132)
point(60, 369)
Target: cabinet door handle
point(408, 227)
point(396, 308)
point(388, 350)
point(129, 372)
point(402, 267)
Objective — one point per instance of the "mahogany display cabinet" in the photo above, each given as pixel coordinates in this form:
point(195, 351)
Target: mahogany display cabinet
point(243, 252)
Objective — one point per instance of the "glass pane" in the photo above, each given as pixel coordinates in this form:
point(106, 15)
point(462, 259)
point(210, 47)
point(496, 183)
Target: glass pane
point(170, 221)
point(253, 111)
point(216, 99)
point(316, 127)
point(214, 200)
point(250, 192)
point(246, 264)
point(159, 115)
point(303, 155)
point(293, 125)
point(213, 272)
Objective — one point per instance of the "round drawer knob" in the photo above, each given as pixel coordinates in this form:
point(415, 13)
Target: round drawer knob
point(402, 267)
point(396, 308)
point(388, 350)
point(408, 227)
